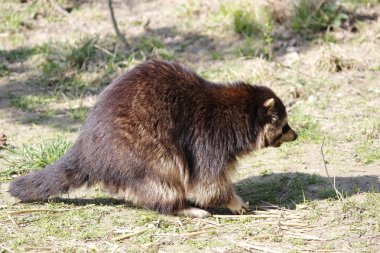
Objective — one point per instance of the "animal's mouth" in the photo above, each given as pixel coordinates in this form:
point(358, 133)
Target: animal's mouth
point(289, 136)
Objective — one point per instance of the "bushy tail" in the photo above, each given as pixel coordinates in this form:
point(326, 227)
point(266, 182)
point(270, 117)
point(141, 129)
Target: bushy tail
point(53, 180)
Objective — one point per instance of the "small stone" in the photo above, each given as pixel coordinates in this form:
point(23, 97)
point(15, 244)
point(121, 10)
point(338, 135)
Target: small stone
point(311, 99)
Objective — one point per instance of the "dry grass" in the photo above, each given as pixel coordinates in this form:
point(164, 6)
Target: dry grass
point(333, 58)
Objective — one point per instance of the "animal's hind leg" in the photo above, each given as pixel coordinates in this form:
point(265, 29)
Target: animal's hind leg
point(164, 197)
point(157, 194)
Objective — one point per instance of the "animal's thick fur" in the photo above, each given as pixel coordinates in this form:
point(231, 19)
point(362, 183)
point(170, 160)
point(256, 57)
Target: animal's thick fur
point(164, 137)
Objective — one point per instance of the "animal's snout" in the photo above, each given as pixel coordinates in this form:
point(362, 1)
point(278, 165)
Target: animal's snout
point(295, 135)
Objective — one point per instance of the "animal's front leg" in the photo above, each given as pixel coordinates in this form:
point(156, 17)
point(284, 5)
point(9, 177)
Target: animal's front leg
point(237, 205)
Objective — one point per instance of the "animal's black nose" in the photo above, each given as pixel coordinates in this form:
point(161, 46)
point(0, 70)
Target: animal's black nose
point(295, 136)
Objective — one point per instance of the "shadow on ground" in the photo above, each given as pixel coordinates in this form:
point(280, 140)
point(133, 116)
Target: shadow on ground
point(283, 190)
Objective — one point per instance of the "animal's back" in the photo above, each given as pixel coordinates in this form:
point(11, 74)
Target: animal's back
point(162, 136)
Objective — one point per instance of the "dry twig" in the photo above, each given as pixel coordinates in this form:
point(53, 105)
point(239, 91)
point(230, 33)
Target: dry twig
point(302, 236)
point(115, 26)
point(122, 237)
point(59, 9)
point(46, 210)
point(5, 248)
point(328, 176)
point(249, 246)
point(13, 220)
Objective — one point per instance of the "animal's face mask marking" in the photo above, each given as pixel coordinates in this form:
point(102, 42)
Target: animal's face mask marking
point(276, 128)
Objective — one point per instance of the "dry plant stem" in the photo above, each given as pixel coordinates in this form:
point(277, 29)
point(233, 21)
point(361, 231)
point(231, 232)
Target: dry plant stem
point(45, 210)
point(288, 224)
point(13, 220)
point(249, 246)
point(58, 8)
point(190, 234)
point(104, 50)
point(327, 173)
point(301, 236)
point(246, 216)
point(115, 26)
point(6, 249)
point(37, 249)
point(122, 237)
point(34, 211)
point(210, 222)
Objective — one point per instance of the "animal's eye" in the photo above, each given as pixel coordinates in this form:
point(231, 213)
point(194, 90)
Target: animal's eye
point(274, 118)
point(285, 129)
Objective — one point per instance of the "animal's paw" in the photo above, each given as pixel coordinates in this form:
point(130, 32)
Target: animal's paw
point(194, 212)
point(237, 206)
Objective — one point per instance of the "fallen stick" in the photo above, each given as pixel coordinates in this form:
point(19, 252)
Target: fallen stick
point(121, 231)
point(289, 224)
point(226, 216)
point(249, 246)
point(190, 234)
point(34, 211)
point(301, 236)
point(327, 173)
point(38, 248)
point(13, 220)
point(122, 237)
point(211, 222)
point(46, 210)
point(6, 249)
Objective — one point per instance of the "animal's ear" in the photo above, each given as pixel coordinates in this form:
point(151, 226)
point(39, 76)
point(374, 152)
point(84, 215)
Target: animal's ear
point(269, 104)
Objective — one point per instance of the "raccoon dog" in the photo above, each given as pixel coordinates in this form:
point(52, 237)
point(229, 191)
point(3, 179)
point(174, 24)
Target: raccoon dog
point(166, 139)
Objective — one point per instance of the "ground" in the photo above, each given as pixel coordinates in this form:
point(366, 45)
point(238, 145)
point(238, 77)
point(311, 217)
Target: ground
point(318, 194)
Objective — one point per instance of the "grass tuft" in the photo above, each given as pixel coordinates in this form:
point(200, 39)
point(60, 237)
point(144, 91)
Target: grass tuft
point(334, 59)
point(30, 158)
point(307, 127)
point(82, 52)
point(368, 151)
point(150, 46)
point(313, 16)
point(4, 70)
point(79, 113)
point(245, 23)
point(29, 102)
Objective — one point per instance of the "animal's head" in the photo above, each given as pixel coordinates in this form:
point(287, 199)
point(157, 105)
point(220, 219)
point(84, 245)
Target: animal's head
point(274, 123)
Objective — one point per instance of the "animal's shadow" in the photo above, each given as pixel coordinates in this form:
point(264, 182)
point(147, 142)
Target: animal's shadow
point(282, 190)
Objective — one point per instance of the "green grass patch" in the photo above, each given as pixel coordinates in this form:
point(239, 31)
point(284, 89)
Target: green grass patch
point(19, 54)
point(149, 46)
point(257, 31)
point(253, 47)
point(368, 151)
point(79, 113)
point(81, 52)
point(17, 16)
point(313, 16)
point(266, 172)
point(31, 157)
point(306, 126)
point(4, 70)
point(30, 102)
point(363, 211)
point(245, 22)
